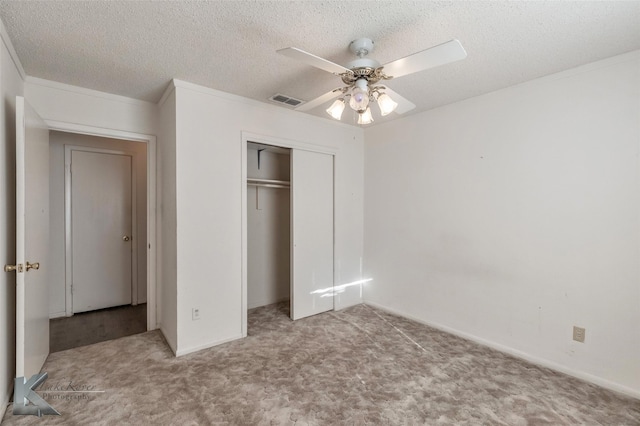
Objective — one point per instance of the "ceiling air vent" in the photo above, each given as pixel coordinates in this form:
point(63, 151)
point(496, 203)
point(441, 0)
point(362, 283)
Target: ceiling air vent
point(286, 100)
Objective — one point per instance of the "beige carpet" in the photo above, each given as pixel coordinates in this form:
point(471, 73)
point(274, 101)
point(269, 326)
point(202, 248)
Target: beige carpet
point(354, 367)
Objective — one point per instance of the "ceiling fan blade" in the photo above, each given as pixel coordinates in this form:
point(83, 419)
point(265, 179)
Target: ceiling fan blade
point(313, 60)
point(404, 104)
point(441, 54)
point(319, 100)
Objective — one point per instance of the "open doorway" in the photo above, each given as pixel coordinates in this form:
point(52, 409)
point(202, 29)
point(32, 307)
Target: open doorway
point(268, 226)
point(98, 222)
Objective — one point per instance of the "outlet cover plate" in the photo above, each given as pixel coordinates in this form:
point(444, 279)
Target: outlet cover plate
point(578, 334)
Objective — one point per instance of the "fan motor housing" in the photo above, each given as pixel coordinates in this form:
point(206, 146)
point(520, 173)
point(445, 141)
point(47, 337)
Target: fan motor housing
point(363, 63)
point(361, 67)
point(361, 47)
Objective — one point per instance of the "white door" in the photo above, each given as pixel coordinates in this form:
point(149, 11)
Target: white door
point(311, 233)
point(32, 240)
point(101, 230)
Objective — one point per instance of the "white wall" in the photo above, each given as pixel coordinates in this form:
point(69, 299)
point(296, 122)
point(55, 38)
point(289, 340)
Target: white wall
point(57, 141)
point(268, 231)
point(167, 226)
point(11, 85)
point(513, 216)
point(57, 102)
point(208, 199)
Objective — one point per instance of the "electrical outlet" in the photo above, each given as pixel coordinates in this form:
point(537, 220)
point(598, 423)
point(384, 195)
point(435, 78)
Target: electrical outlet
point(195, 314)
point(578, 334)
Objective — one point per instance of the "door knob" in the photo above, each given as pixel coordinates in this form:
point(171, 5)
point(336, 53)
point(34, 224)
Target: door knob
point(35, 265)
point(126, 238)
point(11, 268)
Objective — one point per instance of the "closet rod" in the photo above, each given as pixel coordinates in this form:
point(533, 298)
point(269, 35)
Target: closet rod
point(268, 185)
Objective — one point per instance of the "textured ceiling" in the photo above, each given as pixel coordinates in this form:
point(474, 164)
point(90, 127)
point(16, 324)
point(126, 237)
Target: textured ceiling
point(135, 48)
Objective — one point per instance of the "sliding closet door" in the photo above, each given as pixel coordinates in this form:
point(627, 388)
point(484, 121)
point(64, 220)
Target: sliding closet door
point(311, 233)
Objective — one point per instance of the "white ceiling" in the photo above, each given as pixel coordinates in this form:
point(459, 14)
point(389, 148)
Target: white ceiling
point(135, 48)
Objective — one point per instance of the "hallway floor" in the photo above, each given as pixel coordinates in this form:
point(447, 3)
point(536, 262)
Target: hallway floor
point(87, 328)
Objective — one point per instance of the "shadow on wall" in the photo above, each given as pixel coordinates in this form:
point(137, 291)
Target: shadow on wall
point(7, 246)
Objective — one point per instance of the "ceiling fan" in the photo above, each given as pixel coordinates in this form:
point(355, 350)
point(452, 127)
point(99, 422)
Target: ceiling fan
point(361, 76)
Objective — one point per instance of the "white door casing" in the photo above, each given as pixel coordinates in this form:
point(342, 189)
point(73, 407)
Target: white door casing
point(100, 208)
point(32, 240)
point(312, 233)
point(153, 215)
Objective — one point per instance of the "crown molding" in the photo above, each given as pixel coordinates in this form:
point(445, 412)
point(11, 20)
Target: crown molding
point(12, 52)
point(252, 102)
point(86, 92)
point(171, 87)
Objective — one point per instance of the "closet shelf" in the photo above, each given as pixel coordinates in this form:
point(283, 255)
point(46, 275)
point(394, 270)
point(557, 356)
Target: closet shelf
point(268, 183)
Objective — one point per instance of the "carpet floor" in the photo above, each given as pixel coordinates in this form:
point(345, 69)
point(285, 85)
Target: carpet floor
point(357, 366)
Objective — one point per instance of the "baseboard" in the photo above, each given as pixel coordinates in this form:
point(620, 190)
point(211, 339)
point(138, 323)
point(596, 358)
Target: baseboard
point(257, 304)
point(616, 387)
point(3, 409)
point(171, 344)
point(193, 349)
point(57, 315)
point(5, 401)
point(348, 305)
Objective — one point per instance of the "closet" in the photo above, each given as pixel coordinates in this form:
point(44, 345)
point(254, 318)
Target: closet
point(289, 228)
point(268, 225)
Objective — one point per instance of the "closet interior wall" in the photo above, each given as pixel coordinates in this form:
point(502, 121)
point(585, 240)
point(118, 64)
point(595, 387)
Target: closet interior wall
point(268, 226)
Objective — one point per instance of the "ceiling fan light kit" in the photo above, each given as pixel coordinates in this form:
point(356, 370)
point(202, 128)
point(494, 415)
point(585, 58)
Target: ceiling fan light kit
point(365, 117)
point(336, 108)
point(359, 96)
point(386, 104)
point(362, 74)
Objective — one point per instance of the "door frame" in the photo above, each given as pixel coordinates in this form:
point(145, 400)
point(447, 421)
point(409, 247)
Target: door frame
point(151, 242)
point(68, 240)
point(282, 143)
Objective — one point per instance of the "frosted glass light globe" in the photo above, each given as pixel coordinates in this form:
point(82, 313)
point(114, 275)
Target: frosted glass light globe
point(359, 99)
point(386, 104)
point(365, 117)
point(335, 110)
